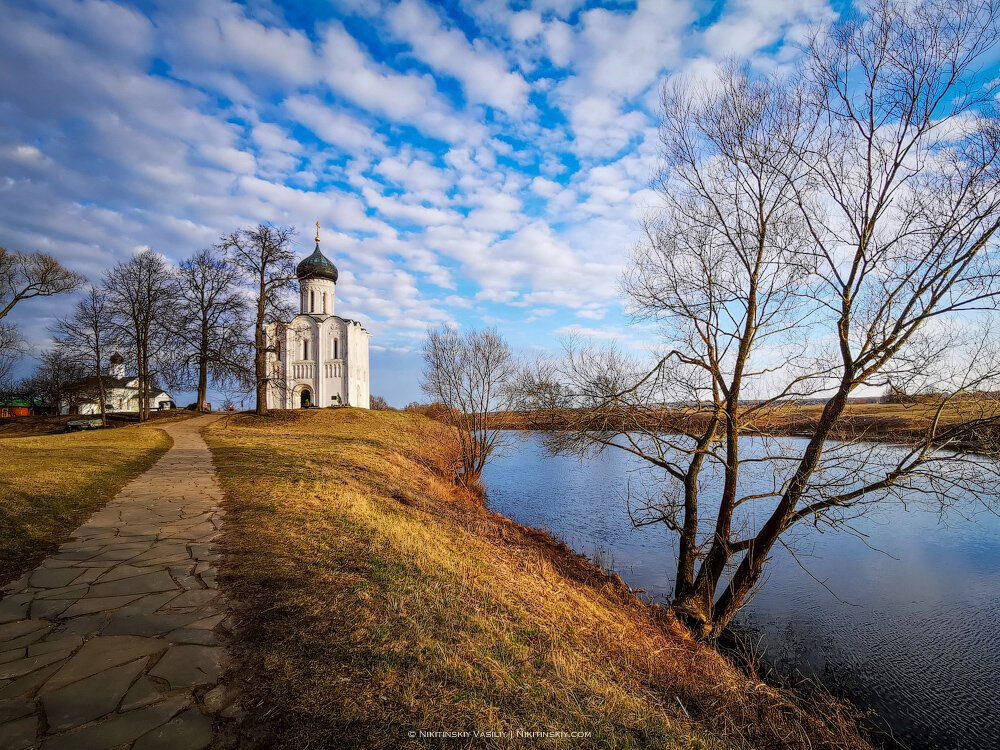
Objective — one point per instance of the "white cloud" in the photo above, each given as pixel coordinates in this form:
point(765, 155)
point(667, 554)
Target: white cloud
point(217, 33)
point(525, 25)
point(335, 127)
point(405, 98)
point(749, 25)
point(484, 73)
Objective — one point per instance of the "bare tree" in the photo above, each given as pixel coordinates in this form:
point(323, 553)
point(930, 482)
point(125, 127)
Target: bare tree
point(262, 256)
point(141, 296)
point(57, 377)
point(377, 403)
point(24, 276)
point(817, 236)
point(27, 275)
point(209, 320)
point(84, 339)
point(472, 375)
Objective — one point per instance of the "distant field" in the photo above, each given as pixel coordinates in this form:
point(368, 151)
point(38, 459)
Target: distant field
point(889, 422)
point(50, 484)
point(376, 600)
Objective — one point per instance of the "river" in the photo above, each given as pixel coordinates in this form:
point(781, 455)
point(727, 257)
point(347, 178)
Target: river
point(910, 631)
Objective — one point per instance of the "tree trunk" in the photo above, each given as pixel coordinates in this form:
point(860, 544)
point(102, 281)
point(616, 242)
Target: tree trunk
point(203, 367)
point(750, 568)
point(139, 385)
point(100, 396)
point(260, 348)
point(260, 368)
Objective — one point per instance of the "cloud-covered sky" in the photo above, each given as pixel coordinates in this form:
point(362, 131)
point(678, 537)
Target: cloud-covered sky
point(476, 162)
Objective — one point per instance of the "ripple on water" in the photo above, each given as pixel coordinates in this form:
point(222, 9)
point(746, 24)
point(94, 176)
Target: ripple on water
point(913, 638)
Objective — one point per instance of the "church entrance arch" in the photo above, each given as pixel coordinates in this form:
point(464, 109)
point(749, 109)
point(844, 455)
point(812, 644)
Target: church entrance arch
point(305, 398)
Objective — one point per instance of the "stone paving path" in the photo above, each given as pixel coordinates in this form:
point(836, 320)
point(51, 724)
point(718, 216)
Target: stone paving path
point(119, 639)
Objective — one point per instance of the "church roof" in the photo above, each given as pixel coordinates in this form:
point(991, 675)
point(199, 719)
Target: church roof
point(317, 266)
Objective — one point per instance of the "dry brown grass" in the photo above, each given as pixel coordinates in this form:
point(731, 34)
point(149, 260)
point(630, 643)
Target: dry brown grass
point(51, 484)
point(376, 599)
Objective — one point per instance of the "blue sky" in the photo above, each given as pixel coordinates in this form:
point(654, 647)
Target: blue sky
point(471, 162)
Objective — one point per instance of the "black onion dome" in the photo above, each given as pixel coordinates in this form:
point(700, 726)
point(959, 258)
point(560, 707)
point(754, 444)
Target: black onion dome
point(117, 359)
point(317, 266)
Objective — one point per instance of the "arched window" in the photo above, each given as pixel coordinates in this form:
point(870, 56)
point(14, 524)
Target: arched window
point(324, 303)
point(312, 301)
point(335, 353)
point(305, 349)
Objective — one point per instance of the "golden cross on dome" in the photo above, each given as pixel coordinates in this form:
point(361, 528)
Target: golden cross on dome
point(317, 231)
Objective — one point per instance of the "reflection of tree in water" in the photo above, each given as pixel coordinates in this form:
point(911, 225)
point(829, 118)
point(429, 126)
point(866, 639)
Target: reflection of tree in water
point(815, 657)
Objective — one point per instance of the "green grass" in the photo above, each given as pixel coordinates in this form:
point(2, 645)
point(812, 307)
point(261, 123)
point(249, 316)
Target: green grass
point(52, 483)
point(375, 599)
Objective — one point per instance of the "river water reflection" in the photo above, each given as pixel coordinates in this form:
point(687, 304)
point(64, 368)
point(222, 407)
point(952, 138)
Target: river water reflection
point(914, 637)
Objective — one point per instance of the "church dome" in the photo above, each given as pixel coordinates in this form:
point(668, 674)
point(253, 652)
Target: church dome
point(117, 359)
point(317, 266)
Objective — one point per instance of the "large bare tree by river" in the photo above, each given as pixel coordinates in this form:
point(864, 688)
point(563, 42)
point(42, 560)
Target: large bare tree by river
point(470, 373)
point(818, 237)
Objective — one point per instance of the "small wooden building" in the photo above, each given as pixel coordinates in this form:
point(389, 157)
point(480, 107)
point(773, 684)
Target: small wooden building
point(15, 407)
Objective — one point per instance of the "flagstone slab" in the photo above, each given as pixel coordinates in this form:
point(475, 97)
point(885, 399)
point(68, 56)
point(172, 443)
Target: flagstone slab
point(150, 583)
point(10, 710)
point(101, 604)
point(13, 634)
point(191, 730)
point(147, 624)
point(13, 654)
point(50, 578)
point(19, 734)
point(190, 666)
point(120, 730)
point(89, 698)
point(11, 611)
point(194, 635)
point(149, 603)
point(21, 667)
point(88, 575)
point(64, 592)
point(63, 643)
point(142, 693)
point(84, 625)
point(194, 598)
point(126, 570)
point(101, 653)
point(209, 623)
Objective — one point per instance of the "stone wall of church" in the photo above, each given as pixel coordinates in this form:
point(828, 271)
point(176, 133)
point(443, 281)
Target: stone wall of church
point(327, 358)
point(358, 366)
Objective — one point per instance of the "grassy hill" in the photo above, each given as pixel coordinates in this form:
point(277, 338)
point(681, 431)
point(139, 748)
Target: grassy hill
point(376, 601)
point(52, 483)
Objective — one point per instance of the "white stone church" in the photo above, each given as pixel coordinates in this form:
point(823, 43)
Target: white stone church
point(121, 393)
point(321, 359)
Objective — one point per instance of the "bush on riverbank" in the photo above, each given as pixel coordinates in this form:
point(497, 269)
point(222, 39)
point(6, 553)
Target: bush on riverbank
point(376, 599)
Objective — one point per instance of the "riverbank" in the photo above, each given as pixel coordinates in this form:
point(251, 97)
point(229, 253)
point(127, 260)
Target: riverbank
point(377, 601)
